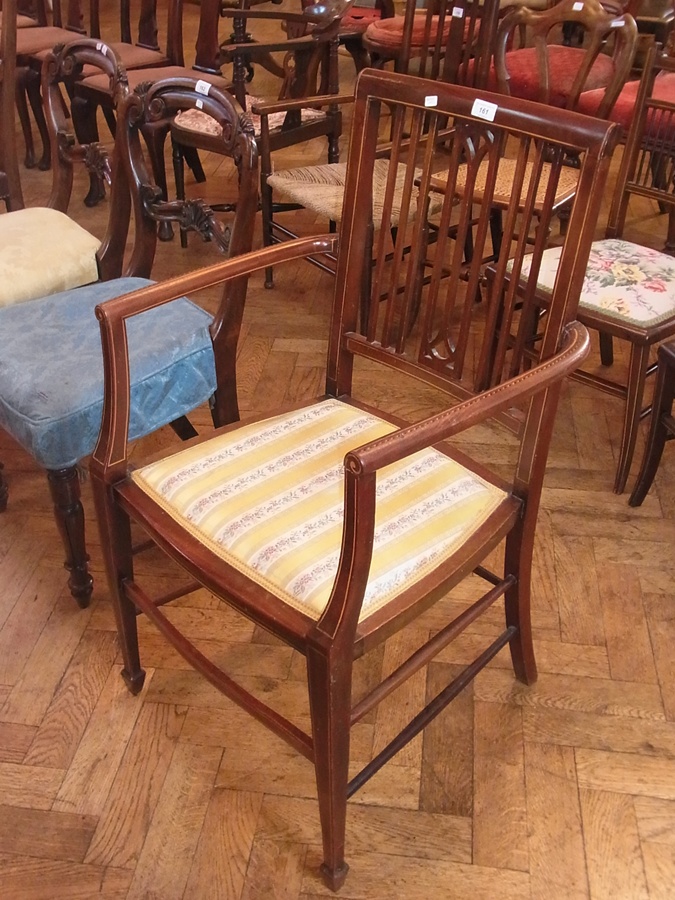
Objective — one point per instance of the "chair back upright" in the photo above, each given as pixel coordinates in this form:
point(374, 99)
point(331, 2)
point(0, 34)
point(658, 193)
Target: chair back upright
point(541, 69)
point(451, 41)
point(420, 310)
point(648, 163)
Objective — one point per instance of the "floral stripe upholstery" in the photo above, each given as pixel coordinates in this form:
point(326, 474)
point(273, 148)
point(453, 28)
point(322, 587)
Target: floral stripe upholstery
point(624, 281)
point(268, 499)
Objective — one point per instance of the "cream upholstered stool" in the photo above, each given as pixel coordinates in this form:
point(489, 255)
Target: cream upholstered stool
point(42, 251)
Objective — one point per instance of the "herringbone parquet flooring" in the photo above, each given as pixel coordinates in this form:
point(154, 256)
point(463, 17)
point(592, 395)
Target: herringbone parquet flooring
point(561, 791)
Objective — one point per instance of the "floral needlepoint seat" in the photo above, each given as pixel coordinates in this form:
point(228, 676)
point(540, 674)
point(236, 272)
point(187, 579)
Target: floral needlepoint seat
point(632, 284)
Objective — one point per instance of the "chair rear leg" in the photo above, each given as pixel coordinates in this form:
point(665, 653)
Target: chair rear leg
point(637, 372)
point(86, 131)
point(177, 158)
point(662, 404)
point(330, 701)
point(606, 349)
point(155, 138)
point(64, 485)
point(115, 531)
point(35, 99)
point(21, 102)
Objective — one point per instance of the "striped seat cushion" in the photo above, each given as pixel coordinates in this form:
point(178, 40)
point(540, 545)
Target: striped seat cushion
point(268, 499)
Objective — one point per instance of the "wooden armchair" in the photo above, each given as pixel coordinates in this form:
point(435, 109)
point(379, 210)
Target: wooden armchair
point(458, 51)
point(331, 524)
point(51, 387)
point(308, 41)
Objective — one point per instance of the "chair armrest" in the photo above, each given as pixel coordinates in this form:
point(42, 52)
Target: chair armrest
point(266, 108)
point(391, 448)
point(109, 459)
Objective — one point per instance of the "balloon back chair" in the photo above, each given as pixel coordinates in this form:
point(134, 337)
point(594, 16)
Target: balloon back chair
point(51, 368)
point(140, 50)
point(333, 524)
point(629, 290)
point(457, 50)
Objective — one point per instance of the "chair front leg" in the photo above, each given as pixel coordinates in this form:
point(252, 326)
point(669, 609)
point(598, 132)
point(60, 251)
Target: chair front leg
point(115, 532)
point(329, 681)
point(86, 130)
point(518, 562)
point(662, 404)
point(64, 485)
point(637, 372)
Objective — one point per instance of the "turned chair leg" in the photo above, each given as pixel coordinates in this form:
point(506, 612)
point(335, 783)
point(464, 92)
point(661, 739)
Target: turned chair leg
point(659, 430)
point(64, 485)
point(330, 700)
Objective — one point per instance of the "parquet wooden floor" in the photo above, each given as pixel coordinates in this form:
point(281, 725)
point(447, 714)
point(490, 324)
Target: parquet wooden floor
point(561, 791)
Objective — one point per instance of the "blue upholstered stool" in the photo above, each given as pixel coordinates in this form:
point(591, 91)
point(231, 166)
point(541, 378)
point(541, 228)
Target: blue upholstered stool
point(51, 387)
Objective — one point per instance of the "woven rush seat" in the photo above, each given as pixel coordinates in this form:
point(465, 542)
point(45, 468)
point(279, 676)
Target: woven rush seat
point(25, 275)
point(268, 499)
point(567, 183)
point(624, 281)
point(321, 189)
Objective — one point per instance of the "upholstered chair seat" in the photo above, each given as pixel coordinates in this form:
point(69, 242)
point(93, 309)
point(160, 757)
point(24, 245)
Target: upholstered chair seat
point(624, 108)
point(51, 377)
point(42, 251)
point(427, 504)
point(564, 63)
point(628, 290)
point(387, 34)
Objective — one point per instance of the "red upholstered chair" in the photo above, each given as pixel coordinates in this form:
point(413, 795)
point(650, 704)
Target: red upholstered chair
point(528, 62)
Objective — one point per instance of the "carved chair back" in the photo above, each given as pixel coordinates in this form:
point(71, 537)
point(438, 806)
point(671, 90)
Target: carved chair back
point(540, 69)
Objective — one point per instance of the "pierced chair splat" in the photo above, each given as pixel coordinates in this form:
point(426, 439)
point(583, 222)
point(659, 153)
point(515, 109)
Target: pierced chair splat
point(333, 524)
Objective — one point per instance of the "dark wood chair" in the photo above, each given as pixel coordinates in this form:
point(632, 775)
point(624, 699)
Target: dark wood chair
point(309, 42)
point(332, 525)
point(9, 164)
point(51, 369)
point(629, 290)
point(529, 63)
point(95, 91)
point(662, 426)
point(355, 24)
point(84, 17)
point(458, 51)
